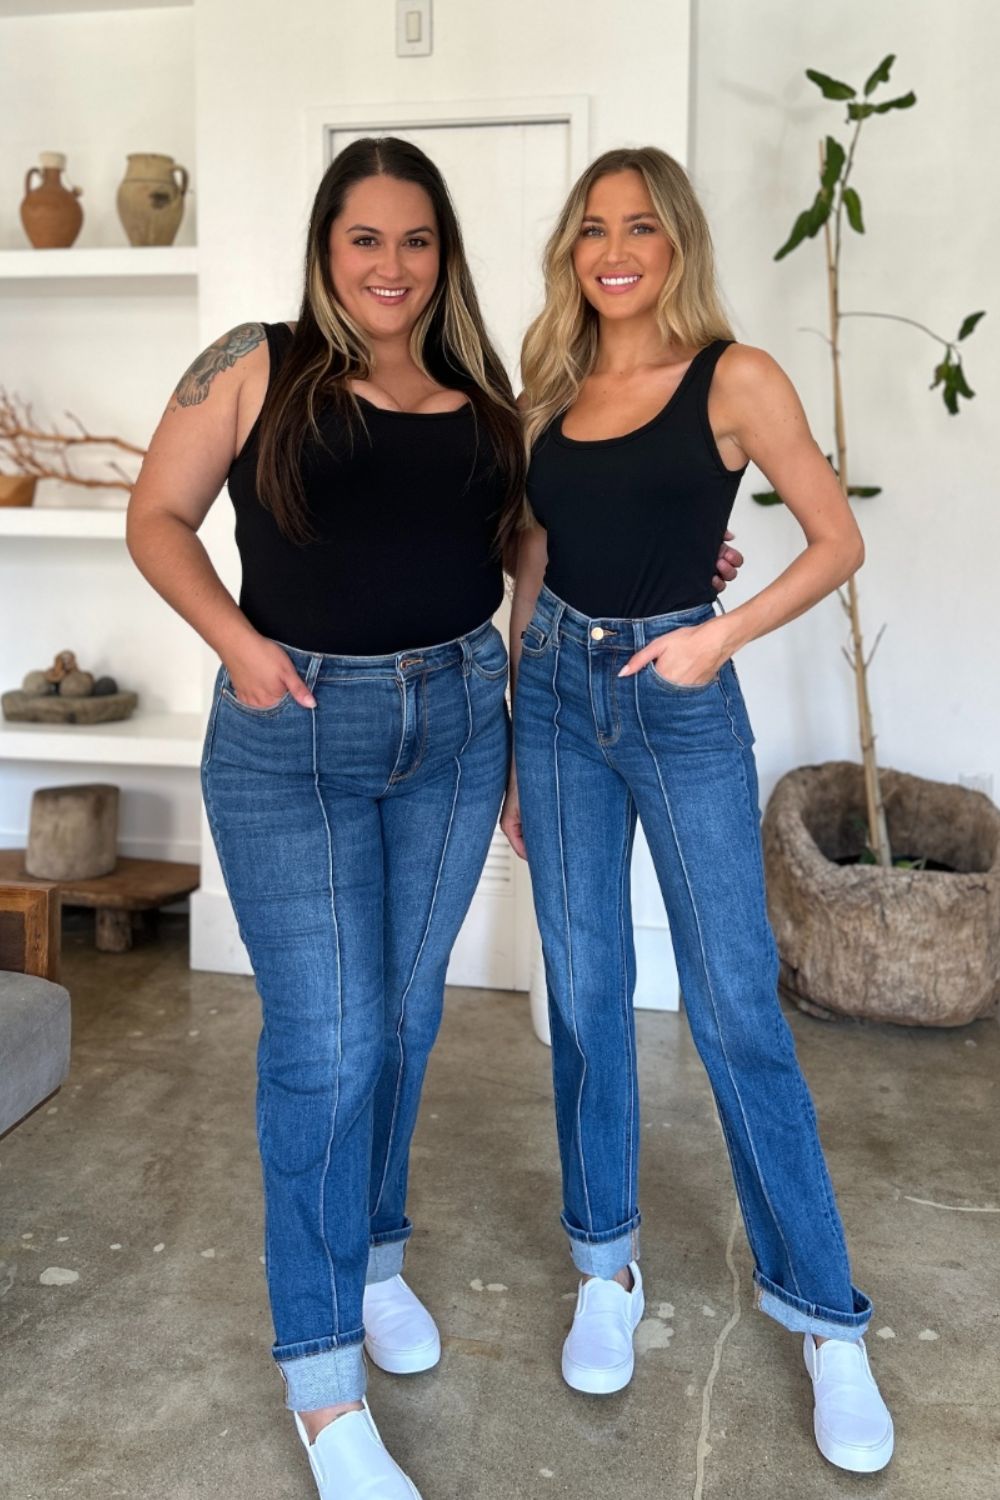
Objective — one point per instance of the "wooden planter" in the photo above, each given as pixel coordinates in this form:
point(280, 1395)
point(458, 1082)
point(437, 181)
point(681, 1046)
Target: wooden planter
point(915, 947)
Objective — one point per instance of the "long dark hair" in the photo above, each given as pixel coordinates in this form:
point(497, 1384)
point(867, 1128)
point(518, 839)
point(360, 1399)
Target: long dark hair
point(449, 342)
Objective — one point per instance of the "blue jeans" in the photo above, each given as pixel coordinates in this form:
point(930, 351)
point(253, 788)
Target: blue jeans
point(351, 838)
point(595, 751)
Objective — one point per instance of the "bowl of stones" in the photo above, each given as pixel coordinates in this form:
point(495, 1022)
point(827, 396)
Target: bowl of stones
point(64, 694)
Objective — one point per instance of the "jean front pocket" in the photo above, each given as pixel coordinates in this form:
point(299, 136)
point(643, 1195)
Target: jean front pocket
point(265, 711)
point(679, 687)
point(534, 639)
point(488, 655)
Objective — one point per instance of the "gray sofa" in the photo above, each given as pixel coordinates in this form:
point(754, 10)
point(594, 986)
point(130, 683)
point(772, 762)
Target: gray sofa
point(34, 1007)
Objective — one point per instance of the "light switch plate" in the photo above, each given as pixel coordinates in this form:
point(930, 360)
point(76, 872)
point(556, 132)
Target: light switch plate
point(413, 28)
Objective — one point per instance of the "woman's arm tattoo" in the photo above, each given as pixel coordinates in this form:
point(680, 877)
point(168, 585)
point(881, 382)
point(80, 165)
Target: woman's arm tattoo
point(194, 384)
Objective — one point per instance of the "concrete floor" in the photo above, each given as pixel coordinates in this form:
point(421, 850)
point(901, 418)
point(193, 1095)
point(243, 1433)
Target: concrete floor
point(149, 1375)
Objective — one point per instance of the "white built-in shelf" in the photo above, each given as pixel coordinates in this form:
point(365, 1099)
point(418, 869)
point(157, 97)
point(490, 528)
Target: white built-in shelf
point(147, 739)
point(114, 260)
point(62, 521)
point(74, 7)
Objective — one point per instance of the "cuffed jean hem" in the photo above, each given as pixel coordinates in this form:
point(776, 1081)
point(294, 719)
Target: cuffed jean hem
point(808, 1317)
point(603, 1254)
point(325, 1377)
point(385, 1255)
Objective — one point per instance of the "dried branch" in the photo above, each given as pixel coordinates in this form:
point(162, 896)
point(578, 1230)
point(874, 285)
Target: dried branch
point(41, 454)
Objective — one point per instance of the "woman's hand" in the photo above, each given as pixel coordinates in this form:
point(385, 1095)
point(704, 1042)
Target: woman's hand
point(510, 818)
point(688, 657)
point(729, 563)
point(261, 674)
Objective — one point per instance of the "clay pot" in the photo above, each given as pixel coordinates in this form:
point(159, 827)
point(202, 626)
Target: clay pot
point(50, 212)
point(17, 489)
point(916, 947)
point(151, 198)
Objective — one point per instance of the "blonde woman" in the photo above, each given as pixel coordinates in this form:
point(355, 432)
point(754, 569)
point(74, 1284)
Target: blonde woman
point(357, 747)
point(642, 414)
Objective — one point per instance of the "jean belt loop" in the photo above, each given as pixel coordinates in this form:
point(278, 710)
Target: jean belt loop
point(558, 613)
point(312, 670)
point(463, 641)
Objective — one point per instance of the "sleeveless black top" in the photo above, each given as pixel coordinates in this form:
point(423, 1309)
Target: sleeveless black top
point(635, 522)
point(405, 527)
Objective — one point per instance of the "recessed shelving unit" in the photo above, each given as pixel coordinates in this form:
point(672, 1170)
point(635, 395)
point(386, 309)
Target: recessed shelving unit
point(114, 260)
point(62, 522)
point(148, 739)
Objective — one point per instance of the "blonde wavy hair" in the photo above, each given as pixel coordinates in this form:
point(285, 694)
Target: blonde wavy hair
point(560, 347)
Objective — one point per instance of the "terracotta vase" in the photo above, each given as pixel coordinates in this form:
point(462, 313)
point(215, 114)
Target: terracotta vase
point(17, 489)
point(50, 212)
point(151, 198)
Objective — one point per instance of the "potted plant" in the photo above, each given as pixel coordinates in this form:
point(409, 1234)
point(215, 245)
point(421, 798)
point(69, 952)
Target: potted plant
point(911, 936)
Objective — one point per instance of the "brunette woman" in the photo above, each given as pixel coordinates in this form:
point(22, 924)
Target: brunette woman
point(357, 746)
point(642, 414)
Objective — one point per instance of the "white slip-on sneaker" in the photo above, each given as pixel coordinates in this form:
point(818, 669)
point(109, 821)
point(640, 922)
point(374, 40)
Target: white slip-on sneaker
point(851, 1421)
point(400, 1334)
point(350, 1461)
point(597, 1356)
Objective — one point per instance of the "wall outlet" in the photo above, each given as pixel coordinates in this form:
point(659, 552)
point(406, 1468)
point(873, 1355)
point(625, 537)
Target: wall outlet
point(977, 781)
point(413, 28)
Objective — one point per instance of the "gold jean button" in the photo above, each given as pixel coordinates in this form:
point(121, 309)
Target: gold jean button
point(597, 634)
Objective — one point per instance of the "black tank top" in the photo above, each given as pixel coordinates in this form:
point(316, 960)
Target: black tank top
point(635, 522)
point(405, 523)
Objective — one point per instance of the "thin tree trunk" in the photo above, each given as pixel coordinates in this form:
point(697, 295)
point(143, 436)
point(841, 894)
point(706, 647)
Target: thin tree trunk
point(878, 831)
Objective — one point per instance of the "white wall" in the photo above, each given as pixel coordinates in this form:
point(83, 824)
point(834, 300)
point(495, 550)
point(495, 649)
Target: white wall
point(930, 252)
point(257, 82)
point(96, 87)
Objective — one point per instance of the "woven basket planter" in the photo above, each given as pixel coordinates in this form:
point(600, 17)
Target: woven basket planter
point(915, 947)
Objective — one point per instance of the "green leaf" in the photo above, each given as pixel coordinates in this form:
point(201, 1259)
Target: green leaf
point(820, 212)
point(860, 111)
point(941, 372)
point(969, 324)
point(866, 857)
point(951, 397)
point(881, 74)
point(853, 205)
point(905, 101)
point(864, 491)
point(834, 157)
point(829, 87)
point(800, 230)
point(960, 383)
point(767, 497)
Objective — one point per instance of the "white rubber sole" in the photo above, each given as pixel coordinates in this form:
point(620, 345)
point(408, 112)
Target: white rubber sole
point(597, 1382)
point(404, 1361)
point(853, 1457)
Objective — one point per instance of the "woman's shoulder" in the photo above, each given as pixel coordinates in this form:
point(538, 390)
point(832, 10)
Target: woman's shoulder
point(742, 369)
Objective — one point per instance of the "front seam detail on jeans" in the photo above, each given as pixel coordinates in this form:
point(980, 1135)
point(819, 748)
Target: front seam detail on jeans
point(340, 1022)
point(420, 949)
point(569, 941)
point(711, 991)
point(629, 1029)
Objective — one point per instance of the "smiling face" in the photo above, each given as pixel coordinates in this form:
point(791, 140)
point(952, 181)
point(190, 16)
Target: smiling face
point(385, 255)
point(622, 255)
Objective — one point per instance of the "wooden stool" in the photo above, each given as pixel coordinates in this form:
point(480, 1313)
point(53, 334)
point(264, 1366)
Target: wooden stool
point(73, 833)
point(133, 893)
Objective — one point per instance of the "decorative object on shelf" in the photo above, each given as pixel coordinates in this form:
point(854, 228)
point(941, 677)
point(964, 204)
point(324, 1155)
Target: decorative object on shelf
point(66, 695)
point(73, 832)
point(125, 900)
point(36, 454)
point(151, 198)
point(50, 212)
point(17, 489)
